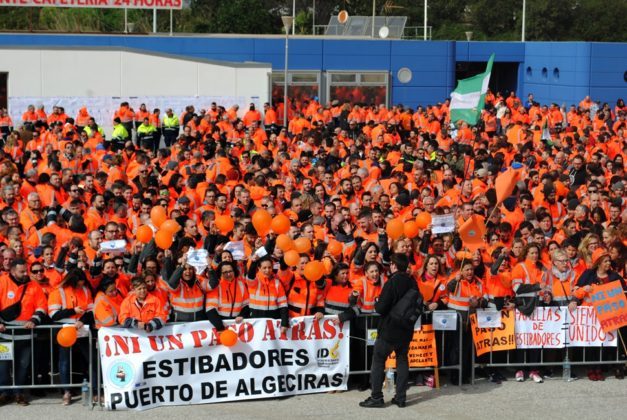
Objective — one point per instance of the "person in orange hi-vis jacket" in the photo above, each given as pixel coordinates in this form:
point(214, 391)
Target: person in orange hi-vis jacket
point(141, 309)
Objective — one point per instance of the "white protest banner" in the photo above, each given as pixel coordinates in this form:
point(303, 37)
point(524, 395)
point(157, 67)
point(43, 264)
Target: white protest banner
point(442, 223)
point(488, 318)
point(545, 328)
point(186, 364)
point(444, 320)
point(585, 329)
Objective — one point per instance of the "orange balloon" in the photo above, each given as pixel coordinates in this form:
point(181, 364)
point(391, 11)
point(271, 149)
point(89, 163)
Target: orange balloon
point(262, 221)
point(144, 234)
point(164, 239)
point(66, 337)
point(291, 258)
point(284, 242)
point(280, 224)
point(302, 245)
point(328, 265)
point(158, 215)
point(171, 226)
point(335, 248)
point(395, 228)
point(225, 224)
point(411, 229)
point(314, 270)
point(228, 338)
point(423, 220)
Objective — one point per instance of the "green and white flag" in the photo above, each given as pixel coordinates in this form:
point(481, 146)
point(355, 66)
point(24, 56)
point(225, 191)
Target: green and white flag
point(468, 99)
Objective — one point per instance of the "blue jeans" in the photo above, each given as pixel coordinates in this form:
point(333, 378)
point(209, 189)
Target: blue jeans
point(81, 348)
point(22, 359)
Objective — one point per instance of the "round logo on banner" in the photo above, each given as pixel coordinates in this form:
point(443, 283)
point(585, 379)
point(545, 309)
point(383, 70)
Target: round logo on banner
point(121, 374)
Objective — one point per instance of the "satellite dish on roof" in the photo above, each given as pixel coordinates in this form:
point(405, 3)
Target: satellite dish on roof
point(384, 32)
point(342, 17)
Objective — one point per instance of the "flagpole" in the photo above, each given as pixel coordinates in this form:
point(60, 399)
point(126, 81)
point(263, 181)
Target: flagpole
point(524, 15)
point(425, 22)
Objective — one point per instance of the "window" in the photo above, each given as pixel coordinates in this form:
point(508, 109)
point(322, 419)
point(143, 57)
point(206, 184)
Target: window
point(545, 73)
point(304, 78)
point(373, 78)
point(302, 86)
point(556, 73)
point(343, 78)
point(358, 87)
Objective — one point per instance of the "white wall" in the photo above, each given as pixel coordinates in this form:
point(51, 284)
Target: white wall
point(73, 78)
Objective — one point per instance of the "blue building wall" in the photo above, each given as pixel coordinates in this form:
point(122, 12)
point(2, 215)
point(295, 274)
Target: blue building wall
point(608, 71)
point(557, 72)
point(562, 72)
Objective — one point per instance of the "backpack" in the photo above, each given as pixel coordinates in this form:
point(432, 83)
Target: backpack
point(408, 309)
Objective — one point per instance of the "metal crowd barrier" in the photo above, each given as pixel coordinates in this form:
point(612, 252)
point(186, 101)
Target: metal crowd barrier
point(570, 356)
point(361, 365)
point(43, 338)
point(361, 357)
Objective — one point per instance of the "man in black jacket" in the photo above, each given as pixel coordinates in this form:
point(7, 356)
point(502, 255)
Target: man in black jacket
point(392, 336)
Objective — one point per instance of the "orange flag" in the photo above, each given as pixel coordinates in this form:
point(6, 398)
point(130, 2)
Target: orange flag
point(505, 184)
point(471, 233)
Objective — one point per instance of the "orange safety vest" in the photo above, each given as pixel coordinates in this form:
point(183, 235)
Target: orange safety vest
point(465, 290)
point(67, 297)
point(523, 274)
point(432, 290)
point(163, 296)
point(228, 299)
point(186, 299)
point(562, 290)
point(498, 285)
point(266, 294)
point(28, 219)
point(30, 295)
point(106, 310)
point(303, 296)
point(368, 294)
point(336, 300)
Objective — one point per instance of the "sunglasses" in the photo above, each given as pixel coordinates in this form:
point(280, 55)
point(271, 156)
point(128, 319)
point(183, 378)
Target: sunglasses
point(37, 271)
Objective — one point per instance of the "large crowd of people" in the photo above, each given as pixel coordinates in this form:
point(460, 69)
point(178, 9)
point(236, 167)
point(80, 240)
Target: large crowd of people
point(339, 173)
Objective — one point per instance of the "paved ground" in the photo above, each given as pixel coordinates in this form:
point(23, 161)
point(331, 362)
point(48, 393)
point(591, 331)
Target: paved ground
point(553, 399)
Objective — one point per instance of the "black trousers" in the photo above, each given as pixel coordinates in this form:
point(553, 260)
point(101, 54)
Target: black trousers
point(382, 349)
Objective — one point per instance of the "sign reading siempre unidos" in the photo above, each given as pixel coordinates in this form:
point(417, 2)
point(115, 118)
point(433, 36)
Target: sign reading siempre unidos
point(186, 364)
